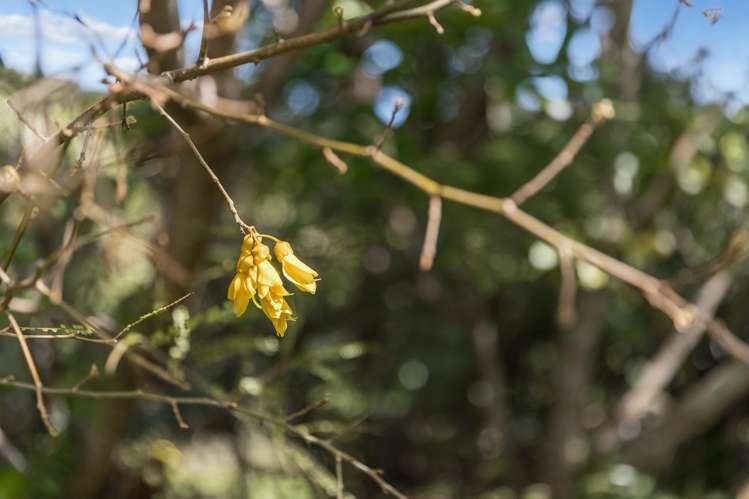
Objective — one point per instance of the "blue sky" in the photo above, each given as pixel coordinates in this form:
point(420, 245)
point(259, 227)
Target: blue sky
point(67, 45)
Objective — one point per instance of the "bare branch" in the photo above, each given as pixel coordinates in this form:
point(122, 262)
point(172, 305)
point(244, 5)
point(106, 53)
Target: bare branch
point(92, 373)
point(178, 416)
point(601, 111)
point(38, 387)
point(150, 314)
point(657, 292)
point(660, 370)
point(133, 357)
point(232, 407)
point(229, 201)
point(429, 248)
point(203, 54)
point(28, 214)
point(306, 410)
point(44, 265)
point(335, 160)
point(339, 477)
point(23, 120)
point(355, 25)
point(697, 410)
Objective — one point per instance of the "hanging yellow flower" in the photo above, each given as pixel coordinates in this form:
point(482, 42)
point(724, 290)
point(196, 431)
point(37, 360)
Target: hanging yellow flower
point(295, 270)
point(257, 277)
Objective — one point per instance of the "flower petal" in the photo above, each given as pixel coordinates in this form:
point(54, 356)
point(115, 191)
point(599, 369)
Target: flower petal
point(268, 275)
point(234, 287)
point(301, 281)
point(292, 261)
point(247, 244)
point(270, 309)
point(245, 264)
point(261, 252)
point(241, 300)
point(280, 326)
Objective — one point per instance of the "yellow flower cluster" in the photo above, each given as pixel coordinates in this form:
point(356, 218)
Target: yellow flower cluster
point(257, 280)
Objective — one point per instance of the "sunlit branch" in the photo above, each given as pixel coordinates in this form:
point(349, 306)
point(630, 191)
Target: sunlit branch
point(388, 15)
point(657, 292)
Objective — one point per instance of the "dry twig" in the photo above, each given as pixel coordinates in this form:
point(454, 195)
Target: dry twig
point(38, 387)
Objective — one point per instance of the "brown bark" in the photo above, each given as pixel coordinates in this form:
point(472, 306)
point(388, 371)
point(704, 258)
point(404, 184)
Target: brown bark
point(496, 414)
point(163, 17)
point(564, 452)
point(193, 200)
point(96, 466)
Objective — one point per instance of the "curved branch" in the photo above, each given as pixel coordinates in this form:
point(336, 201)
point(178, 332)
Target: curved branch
point(656, 291)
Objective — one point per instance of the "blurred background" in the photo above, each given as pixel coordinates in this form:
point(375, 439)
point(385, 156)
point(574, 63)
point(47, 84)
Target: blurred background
point(457, 382)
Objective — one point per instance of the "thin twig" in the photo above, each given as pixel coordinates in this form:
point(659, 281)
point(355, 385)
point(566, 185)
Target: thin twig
point(92, 373)
point(397, 106)
point(150, 314)
point(601, 111)
point(67, 336)
point(28, 214)
point(203, 54)
point(335, 160)
point(133, 357)
point(229, 201)
point(435, 23)
point(23, 120)
point(44, 265)
point(178, 416)
point(429, 248)
point(38, 387)
point(339, 477)
point(306, 410)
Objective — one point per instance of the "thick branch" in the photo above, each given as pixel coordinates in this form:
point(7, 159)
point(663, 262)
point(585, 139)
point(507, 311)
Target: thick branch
point(661, 369)
point(300, 42)
point(658, 293)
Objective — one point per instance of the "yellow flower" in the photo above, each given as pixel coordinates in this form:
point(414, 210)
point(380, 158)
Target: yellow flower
point(257, 280)
point(272, 305)
point(285, 315)
point(266, 274)
point(260, 252)
point(295, 270)
point(277, 309)
point(247, 244)
point(245, 264)
point(244, 285)
point(241, 291)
